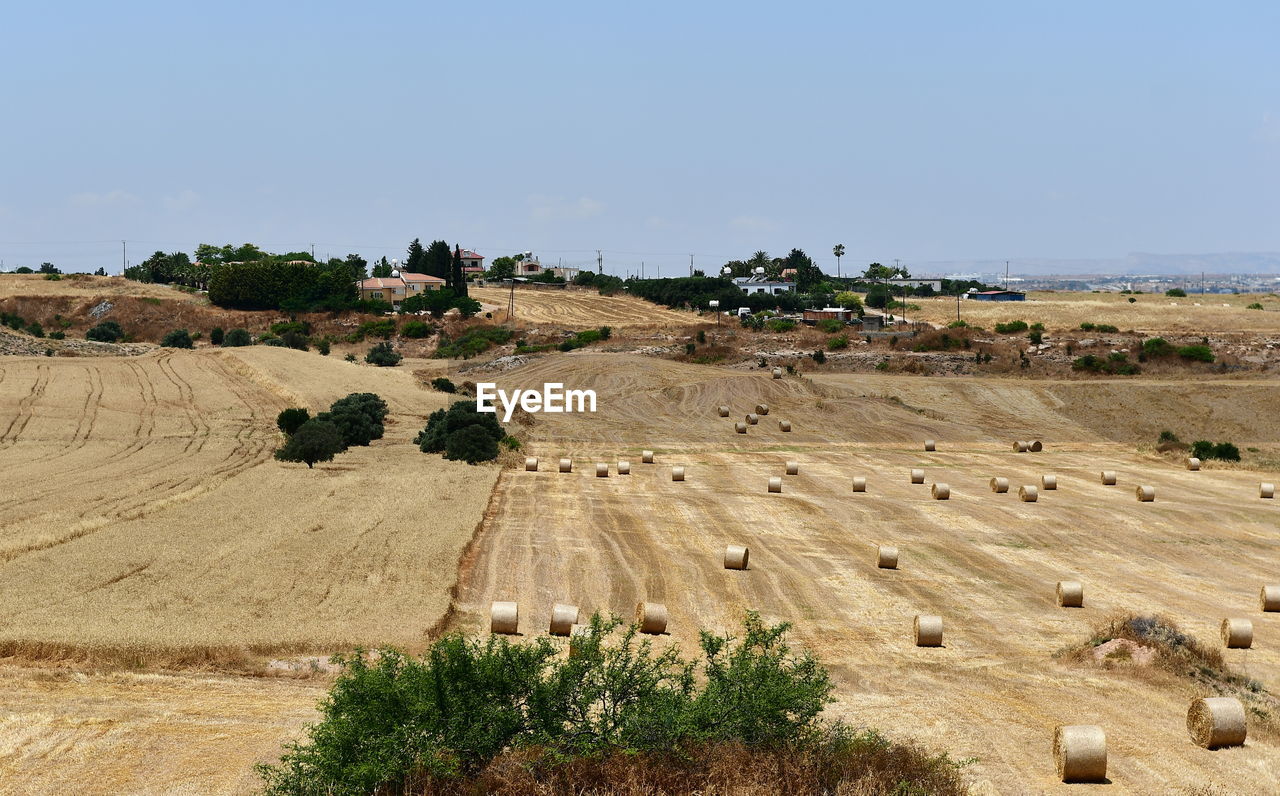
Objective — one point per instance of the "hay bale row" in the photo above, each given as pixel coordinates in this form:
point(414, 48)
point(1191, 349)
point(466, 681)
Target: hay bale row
point(1215, 722)
point(784, 425)
point(1108, 477)
point(887, 557)
point(917, 476)
point(1000, 485)
point(504, 618)
point(775, 484)
point(1266, 491)
point(531, 464)
point(1080, 753)
point(1028, 493)
point(793, 468)
point(859, 483)
point(928, 631)
point(677, 473)
point(1146, 494)
point(940, 491)
point(1237, 634)
point(736, 557)
point(1070, 594)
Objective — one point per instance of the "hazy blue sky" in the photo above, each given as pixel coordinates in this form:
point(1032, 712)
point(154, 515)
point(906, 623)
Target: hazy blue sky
point(924, 131)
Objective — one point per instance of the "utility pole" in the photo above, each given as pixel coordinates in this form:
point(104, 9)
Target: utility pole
point(124, 257)
point(642, 269)
point(1006, 274)
point(690, 265)
point(313, 251)
point(599, 262)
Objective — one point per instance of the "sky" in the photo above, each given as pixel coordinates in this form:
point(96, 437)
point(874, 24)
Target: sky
point(920, 131)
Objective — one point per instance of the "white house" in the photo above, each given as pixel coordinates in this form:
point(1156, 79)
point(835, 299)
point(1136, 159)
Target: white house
point(757, 283)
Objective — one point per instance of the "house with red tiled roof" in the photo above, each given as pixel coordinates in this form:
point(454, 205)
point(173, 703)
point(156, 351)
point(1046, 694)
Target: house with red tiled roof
point(472, 263)
point(397, 287)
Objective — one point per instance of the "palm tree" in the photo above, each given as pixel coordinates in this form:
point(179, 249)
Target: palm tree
point(838, 251)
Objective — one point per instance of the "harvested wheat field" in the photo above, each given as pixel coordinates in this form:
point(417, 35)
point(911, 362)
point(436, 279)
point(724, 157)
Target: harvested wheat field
point(87, 286)
point(1148, 314)
point(145, 521)
point(986, 563)
point(581, 308)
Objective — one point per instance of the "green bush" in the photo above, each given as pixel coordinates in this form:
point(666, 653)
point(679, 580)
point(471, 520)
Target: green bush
point(1012, 327)
point(359, 418)
point(296, 340)
point(1036, 337)
point(829, 325)
point(57, 335)
point(34, 329)
point(1202, 449)
point(1116, 364)
point(957, 324)
point(471, 445)
point(838, 342)
point(1157, 347)
point(689, 348)
point(383, 355)
point(313, 441)
point(272, 341)
point(323, 347)
point(237, 338)
point(780, 325)
point(1197, 353)
point(417, 329)
point(1176, 292)
point(1226, 451)
point(105, 332)
point(472, 342)
point(290, 420)
point(177, 338)
point(384, 328)
point(818, 356)
point(280, 328)
point(443, 385)
point(394, 723)
point(1254, 306)
point(1168, 436)
point(1087, 326)
point(1106, 328)
point(586, 338)
point(216, 335)
point(443, 423)
point(702, 337)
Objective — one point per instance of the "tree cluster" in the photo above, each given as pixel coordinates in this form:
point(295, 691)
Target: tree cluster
point(354, 420)
point(462, 434)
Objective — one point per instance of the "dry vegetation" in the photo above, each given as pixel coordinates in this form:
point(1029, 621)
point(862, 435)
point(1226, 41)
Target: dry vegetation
point(579, 309)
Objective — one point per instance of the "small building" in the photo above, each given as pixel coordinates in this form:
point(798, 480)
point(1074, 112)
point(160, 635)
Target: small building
point(472, 263)
point(996, 295)
point(828, 313)
point(759, 284)
point(397, 287)
point(528, 265)
point(872, 323)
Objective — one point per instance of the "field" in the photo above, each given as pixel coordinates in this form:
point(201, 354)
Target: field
point(1194, 314)
point(144, 518)
point(987, 563)
point(84, 285)
point(580, 309)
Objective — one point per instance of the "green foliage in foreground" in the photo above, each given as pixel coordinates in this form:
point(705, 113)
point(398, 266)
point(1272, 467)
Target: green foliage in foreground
point(396, 723)
point(473, 341)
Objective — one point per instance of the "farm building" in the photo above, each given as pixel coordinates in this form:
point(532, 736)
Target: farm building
point(832, 313)
point(997, 295)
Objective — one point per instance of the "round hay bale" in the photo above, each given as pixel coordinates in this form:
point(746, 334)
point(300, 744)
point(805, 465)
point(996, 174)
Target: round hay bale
point(1028, 493)
point(1080, 753)
point(1146, 494)
point(677, 473)
point(504, 617)
point(859, 483)
point(1035, 446)
point(1237, 634)
point(940, 492)
point(1021, 446)
point(928, 631)
point(930, 445)
point(652, 618)
point(1269, 598)
point(1048, 482)
point(577, 635)
point(740, 427)
point(531, 464)
point(646, 457)
point(724, 410)
point(887, 557)
point(736, 556)
point(1000, 484)
point(566, 465)
point(1215, 722)
point(1267, 491)
point(624, 468)
point(1193, 464)
point(1070, 594)
point(1108, 477)
point(775, 484)
point(917, 476)
point(777, 373)
point(762, 409)
point(602, 470)
point(752, 419)
point(563, 618)
point(784, 425)
point(793, 468)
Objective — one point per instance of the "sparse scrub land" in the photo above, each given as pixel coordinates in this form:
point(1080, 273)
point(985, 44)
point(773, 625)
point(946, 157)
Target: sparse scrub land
point(495, 716)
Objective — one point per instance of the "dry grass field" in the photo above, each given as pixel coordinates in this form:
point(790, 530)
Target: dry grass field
point(84, 285)
point(1194, 314)
point(144, 519)
point(582, 309)
point(985, 562)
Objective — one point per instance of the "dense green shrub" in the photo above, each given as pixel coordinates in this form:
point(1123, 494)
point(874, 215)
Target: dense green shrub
point(383, 327)
point(58, 335)
point(1012, 327)
point(1115, 364)
point(393, 723)
point(323, 347)
point(443, 384)
point(177, 338)
point(359, 418)
point(838, 342)
point(216, 335)
point(237, 338)
point(1254, 306)
point(291, 419)
point(780, 324)
point(35, 330)
point(417, 329)
point(1168, 436)
point(829, 325)
point(287, 282)
point(443, 424)
point(383, 355)
point(1197, 353)
point(105, 332)
point(313, 441)
point(1087, 326)
point(295, 340)
point(1036, 337)
point(1204, 449)
point(1106, 328)
point(471, 445)
point(1176, 292)
point(1157, 347)
point(585, 338)
point(818, 356)
point(473, 341)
